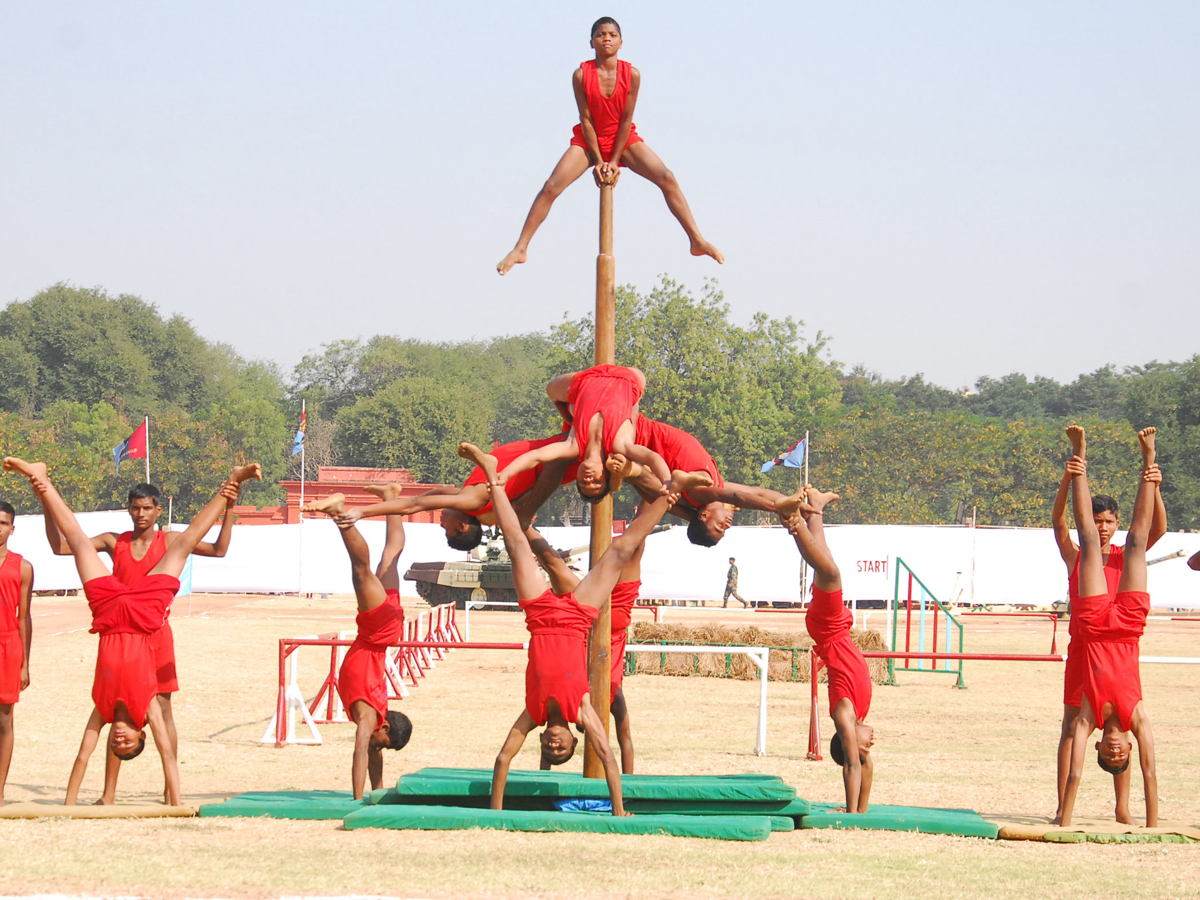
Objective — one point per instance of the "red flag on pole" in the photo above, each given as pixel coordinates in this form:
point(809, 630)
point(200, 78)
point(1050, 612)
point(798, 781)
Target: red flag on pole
point(133, 447)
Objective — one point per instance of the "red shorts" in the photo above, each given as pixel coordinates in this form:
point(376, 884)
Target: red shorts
point(162, 644)
point(12, 657)
point(606, 147)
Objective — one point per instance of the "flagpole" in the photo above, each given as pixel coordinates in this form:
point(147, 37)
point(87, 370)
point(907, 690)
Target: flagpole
point(300, 523)
point(803, 564)
point(147, 423)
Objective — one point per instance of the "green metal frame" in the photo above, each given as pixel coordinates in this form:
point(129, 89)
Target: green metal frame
point(951, 619)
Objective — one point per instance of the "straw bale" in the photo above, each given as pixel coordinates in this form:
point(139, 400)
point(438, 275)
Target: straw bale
point(784, 666)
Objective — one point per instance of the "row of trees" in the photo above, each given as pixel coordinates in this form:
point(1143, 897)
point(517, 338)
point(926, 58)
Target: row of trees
point(78, 370)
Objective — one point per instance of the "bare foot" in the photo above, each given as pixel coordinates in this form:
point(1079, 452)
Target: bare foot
point(1124, 817)
point(485, 461)
point(1057, 820)
point(103, 802)
point(818, 500)
point(385, 491)
point(1078, 441)
point(703, 248)
point(245, 473)
point(516, 256)
point(333, 505)
point(797, 502)
point(31, 470)
point(682, 482)
point(1146, 439)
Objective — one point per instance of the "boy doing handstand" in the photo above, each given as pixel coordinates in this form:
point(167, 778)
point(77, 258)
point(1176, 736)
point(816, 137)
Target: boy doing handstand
point(829, 623)
point(1110, 629)
point(563, 580)
point(125, 687)
point(362, 679)
point(1107, 518)
point(606, 91)
point(16, 635)
point(556, 677)
point(134, 553)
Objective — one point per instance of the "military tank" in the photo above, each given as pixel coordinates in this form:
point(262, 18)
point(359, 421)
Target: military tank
point(484, 581)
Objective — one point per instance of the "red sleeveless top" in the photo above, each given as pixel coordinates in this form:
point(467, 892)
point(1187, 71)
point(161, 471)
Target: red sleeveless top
point(612, 391)
point(679, 450)
point(606, 111)
point(129, 570)
point(10, 592)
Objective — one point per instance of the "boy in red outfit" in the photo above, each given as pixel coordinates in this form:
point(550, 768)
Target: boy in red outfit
point(602, 405)
point(1110, 629)
point(606, 92)
point(16, 633)
point(556, 677)
point(125, 687)
point(829, 623)
point(707, 510)
point(564, 580)
point(465, 511)
point(1106, 516)
point(362, 679)
point(134, 553)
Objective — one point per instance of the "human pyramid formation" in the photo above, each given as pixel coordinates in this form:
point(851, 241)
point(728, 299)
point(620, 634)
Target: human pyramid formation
point(605, 441)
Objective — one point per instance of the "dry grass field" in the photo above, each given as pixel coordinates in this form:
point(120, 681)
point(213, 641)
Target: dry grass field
point(989, 747)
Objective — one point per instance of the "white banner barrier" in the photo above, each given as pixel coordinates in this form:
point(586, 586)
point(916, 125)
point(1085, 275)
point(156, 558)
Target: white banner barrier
point(983, 565)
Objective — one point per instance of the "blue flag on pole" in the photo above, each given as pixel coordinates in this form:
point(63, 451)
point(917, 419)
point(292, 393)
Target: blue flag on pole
point(792, 457)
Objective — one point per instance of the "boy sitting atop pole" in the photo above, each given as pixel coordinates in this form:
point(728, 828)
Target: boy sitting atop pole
point(125, 688)
point(1110, 629)
point(829, 623)
point(362, 679)
point(556, 678)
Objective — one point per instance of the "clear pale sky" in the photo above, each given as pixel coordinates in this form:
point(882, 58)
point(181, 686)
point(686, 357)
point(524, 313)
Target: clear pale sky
point(956, 188)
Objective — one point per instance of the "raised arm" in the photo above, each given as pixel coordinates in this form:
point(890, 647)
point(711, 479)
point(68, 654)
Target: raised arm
point(104, 543)
point(512, 746)
point(1067, 548)
point(221, 546)
point(465, 499)
point(646, 457)
point(743, 496)
point(594, 729)
point(530, 459)
point(1158, 525)
point(25, 618)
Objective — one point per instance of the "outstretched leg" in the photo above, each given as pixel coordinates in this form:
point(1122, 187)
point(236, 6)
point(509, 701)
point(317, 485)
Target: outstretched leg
point(526, 575)
point(87, 560)
point(563, 579)
point(1091, 564)
point(176, 556)
point(393, 544)
point(367, 587)
point(597, 585)
point(573, 164)
point(647, 163)
point(1133, 574)
point(810, 540)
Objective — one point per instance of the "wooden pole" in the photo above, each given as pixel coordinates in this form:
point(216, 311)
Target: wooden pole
point(599, 665)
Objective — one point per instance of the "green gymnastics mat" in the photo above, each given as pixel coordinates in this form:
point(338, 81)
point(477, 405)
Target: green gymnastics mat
point(475, 782)
point(288, 805)
point(787, 808)
point(965, 822)
point(440, 818)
